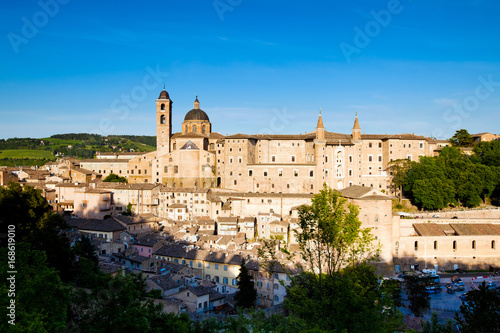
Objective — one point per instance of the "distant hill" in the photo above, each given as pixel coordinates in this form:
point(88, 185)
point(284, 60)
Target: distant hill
point(30, 151)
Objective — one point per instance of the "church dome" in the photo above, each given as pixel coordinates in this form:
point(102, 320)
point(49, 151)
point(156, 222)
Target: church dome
point(196, 114)
point(164, 94)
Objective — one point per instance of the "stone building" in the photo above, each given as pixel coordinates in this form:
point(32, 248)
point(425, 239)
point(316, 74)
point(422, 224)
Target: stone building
point(197, 157)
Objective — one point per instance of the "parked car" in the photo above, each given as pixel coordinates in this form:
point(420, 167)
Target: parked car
point(450, 288)
point(436, 215)
point(464, 297)
point(433, 289)
point(491, 285)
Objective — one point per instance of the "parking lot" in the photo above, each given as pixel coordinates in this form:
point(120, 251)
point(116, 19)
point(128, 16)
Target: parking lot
point(447, 304)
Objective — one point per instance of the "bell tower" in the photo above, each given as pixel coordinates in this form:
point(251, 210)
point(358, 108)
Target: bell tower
point(163, 123)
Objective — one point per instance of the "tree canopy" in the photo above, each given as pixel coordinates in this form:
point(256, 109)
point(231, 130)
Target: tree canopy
point(247, 294)
point(480, 312)
point(114, 178)
point(452, 179)
point(461, 138)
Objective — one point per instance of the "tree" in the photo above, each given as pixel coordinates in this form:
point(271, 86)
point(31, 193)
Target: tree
point(115, 178)
point(247, 294)
point(433, 194)
point(336, 290)
point(36, 224)
point(488, 153)
point(398, 170)
point(420, 301)
point(121, 305)
point(40, 298)
point(392, 288)
point(331, 236)
point(435, 327)
point(129, 210)
point(479, 313)
point(461, 138)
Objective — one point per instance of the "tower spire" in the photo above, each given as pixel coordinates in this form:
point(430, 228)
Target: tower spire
point(356, 129)
point(320, 121)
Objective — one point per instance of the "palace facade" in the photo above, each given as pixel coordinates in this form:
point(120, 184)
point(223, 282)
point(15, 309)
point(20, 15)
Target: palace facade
point(197, 157)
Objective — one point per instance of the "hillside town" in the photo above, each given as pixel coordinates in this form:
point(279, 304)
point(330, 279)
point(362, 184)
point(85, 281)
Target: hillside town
point(192, 211)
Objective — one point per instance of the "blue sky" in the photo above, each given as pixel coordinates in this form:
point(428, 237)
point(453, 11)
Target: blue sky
point(423, 67)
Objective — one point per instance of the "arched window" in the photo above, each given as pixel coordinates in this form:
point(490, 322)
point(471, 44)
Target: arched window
point(416, 245)
point(473, 244)
point(435, 245)
point(339, 171)
point(454, 245)
point(162, 119)
point(194, 129)
point(174, 146)
point(203, 129)
point(311, 173)
point(212, 146)
point(492, 244)
point(186, 129)
point(340, 157)
point(163, 106)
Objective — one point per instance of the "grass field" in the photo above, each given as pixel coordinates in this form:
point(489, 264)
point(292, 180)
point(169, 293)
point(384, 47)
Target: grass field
point(25, 153)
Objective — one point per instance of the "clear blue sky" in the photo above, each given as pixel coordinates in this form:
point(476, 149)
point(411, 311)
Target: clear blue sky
point(257, 66)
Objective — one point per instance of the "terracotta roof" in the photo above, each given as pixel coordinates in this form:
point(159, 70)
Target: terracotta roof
point(471, 229)
point(71, 185)
point(429, 229)
point(184, 190)
point(355, 191)
point(165, 282)
point(109, 268)
point(107, 225)
point(84, 171)
point(189, 135)
point(177, 205)
point(227, 219)
point(106, 160)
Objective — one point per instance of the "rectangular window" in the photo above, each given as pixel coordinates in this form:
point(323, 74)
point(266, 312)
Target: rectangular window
point(273, 158)
point(250, 173)
point(293, 158)
point(295, 173)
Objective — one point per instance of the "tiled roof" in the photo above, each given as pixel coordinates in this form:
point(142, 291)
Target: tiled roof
point(227, 219)
point(165, 282)
point(177, 205)
point(472, 229)
point(456, 229)
point(429, 229)
point(107, 225)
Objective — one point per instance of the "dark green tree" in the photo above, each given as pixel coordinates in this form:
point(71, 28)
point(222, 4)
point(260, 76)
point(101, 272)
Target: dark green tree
point(36, 224)
point(114, 178)
point(420, 301)
point(121, 305)
point(40, 298)
point(480, 312)
point(392, 288)
point(84, 248)
point(433, 326)
point(398, 170)
point(461, 138)
point(488, 153)
point(247, 294)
